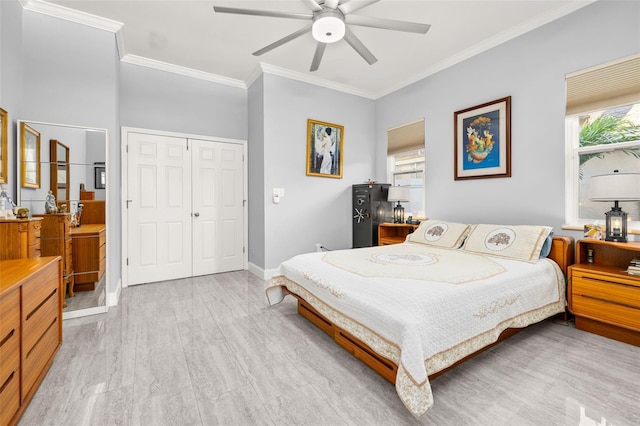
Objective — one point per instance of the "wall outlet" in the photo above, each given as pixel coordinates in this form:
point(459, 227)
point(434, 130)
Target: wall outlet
point(318, 246)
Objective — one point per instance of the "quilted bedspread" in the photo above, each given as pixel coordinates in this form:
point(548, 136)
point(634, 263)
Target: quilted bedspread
point(420, 306)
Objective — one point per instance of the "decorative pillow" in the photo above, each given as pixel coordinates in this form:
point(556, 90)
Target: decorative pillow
point(439, 233)
point(546, 247)
point(519, 242)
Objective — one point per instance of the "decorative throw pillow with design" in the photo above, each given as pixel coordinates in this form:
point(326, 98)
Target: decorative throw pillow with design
point(519, 242)
point(440, 233)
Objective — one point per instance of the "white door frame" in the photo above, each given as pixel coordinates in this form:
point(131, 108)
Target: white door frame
point(124, 196)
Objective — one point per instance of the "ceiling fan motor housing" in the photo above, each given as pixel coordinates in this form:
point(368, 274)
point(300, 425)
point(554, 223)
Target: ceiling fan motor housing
point(328, 26)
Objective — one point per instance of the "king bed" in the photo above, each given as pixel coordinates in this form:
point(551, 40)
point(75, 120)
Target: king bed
point(412, 311)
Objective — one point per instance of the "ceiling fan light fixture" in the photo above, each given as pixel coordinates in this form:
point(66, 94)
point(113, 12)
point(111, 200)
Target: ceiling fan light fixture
point(328, 28)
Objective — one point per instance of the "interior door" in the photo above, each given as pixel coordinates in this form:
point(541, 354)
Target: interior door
point(159, 208)
point(218, 217)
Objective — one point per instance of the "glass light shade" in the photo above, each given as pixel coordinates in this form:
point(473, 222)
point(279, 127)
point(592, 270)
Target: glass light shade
point(328, 28)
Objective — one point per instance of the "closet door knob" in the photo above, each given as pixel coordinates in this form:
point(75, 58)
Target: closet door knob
point(196, 214)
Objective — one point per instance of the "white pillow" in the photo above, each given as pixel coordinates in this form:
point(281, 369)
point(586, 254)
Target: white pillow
point(519, 242)
point(440, 233)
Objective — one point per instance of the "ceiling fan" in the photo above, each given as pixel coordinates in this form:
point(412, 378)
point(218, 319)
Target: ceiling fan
point(329, 25)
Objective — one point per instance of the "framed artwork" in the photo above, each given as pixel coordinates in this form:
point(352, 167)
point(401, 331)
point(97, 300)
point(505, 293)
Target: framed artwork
point(30, 156)
point(324, 149)
point(101, 176)
point(482, 140)
point(4, 145)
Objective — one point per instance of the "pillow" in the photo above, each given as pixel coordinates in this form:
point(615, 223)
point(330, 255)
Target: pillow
point(519, 242)
point(440, 234)
point(546, 247)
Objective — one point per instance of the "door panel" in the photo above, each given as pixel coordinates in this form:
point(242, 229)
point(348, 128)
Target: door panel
point(159, 220)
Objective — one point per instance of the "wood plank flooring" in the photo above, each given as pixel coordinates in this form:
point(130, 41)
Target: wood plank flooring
point(209, 351)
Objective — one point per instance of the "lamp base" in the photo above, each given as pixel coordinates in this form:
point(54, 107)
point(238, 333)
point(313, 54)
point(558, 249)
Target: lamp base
point(398, 213)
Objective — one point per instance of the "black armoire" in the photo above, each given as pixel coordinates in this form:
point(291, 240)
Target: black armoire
point(370, 208)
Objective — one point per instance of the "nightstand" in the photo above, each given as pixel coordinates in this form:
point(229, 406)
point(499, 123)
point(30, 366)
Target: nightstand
point(394, 233)
point(604, 298)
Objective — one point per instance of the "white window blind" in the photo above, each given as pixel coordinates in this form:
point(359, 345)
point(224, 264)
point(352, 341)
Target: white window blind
point(408, 137)
point(614, 83)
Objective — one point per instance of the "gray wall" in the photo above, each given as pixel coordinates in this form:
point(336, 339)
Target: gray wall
point(531, 69)
point(256, 174)
point(159, 100)
point(314, 209)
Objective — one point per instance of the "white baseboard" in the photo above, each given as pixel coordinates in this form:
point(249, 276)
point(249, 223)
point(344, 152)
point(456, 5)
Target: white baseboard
point(262, 273)
point(113, 297)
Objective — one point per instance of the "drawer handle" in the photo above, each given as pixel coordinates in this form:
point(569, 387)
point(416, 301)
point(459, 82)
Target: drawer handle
point(7, 337)
point(6, 382)
point(30, 314)
point(604, 281)
point(612, 302)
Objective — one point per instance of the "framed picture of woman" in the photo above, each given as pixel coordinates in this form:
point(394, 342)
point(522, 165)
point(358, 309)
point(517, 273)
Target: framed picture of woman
point(324, 149)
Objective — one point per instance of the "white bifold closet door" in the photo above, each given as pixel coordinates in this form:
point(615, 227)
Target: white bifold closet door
point(185, 208)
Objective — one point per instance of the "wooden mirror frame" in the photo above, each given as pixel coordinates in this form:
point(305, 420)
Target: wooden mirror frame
point(55, 161)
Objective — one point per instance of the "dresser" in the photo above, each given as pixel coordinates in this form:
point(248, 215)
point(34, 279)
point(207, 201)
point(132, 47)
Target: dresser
point(20, 238)
point(55, 240)
point(30, 330)
point(604, 298)
point(89, 255)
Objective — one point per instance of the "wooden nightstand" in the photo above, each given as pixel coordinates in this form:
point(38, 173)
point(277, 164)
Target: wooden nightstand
point(604, 298)
point(394, 233)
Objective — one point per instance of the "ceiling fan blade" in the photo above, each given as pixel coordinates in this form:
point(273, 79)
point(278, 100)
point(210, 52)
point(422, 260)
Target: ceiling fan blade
point(313, 5)
point(317, 57)
point(331, 4)
point(359, 47)
point(283, 40)
point(352, 7)
point(222, 9)
point(387, 24)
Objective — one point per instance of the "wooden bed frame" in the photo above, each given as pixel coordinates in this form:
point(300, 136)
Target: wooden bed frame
point(562, 252)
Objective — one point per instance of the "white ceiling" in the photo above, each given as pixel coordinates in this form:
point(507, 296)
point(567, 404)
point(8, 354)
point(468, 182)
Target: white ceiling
point(189, 34)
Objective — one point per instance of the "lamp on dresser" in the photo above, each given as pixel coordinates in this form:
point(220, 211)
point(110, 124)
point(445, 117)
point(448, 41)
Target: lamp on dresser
point(615, 187)
point(399, 194)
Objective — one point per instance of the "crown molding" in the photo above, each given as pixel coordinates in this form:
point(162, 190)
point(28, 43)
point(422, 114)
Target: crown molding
point(492, 42)
point(71, 15)
point(294, 75)
point(187, 72)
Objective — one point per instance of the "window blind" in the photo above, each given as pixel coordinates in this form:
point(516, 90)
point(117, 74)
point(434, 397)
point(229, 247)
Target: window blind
point(612, 84)
point(408, 137)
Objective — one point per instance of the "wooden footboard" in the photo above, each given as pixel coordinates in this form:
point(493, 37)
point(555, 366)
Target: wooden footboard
point(562, 252)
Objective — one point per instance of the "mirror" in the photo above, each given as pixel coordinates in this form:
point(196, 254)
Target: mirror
point(60, 164)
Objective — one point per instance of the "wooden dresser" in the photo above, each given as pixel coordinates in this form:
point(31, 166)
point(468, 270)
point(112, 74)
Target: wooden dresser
point(20, 238)
point(55, 240)
point(30, 330)
point(605, 298)
point(89, 255)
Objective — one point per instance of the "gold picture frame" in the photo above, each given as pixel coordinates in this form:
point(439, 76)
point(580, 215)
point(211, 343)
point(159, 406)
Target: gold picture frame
point(324, 149)
point(482, 140)
point(4, 145)
point(29, 157)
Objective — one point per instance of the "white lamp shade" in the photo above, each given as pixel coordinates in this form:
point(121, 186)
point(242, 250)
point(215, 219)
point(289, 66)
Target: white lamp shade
point(398, 193)
point(328, 28)
point(615, 187)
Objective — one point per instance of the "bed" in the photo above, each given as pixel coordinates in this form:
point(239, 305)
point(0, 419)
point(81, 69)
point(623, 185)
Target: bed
point(414, 310)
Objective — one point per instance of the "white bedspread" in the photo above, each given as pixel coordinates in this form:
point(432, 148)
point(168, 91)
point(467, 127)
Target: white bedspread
point(431, 316)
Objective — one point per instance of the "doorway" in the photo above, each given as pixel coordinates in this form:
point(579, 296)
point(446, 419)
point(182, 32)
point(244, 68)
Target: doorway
point(184, 208)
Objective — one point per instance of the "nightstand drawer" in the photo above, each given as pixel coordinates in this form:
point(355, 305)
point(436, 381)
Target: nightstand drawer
point(601, 310)
point(592, 286)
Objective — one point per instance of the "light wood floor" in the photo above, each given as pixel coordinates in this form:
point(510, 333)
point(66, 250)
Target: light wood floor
point(209, 350)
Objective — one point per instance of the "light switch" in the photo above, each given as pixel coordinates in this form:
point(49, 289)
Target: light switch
point(277, 194)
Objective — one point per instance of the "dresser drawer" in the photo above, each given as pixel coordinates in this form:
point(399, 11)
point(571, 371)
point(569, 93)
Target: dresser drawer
point(611, 313)
point(39, 320)
point(10, 313)
point(34, 231)
point(102, 238)
point(594, 287)
point(10, 355)
point(39, 288)
point(34, 360)
point(34, 251)
point(9, 397)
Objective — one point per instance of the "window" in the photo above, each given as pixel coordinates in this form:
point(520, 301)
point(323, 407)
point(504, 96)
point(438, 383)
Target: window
point(600, 142)
point(405, 164)
point(602, 135)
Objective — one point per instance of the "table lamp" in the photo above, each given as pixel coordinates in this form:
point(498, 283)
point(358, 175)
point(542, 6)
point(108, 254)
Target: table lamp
point(399, 194)
point(615, 187)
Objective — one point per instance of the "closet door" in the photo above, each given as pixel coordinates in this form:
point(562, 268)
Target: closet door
point(218, 220)
point(159, 210)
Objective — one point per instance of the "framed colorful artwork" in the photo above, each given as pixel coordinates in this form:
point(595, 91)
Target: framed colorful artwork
point(324, 149)
point(30, 156)
point(4, 145)
point(482, 140)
